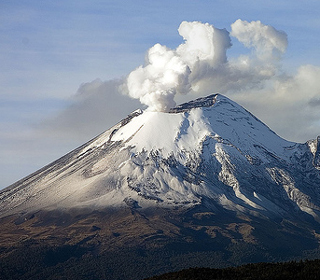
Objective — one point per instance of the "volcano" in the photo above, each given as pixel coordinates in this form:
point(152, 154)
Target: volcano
point(205, 184)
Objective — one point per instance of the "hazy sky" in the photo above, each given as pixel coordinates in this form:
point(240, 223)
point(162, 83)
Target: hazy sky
point(63, 61)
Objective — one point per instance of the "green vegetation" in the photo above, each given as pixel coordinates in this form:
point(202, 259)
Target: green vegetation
point(82, 263)
point(304, 270)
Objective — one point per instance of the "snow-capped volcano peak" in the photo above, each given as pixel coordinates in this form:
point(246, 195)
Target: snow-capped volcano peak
point(186, 127)
point(210, 149)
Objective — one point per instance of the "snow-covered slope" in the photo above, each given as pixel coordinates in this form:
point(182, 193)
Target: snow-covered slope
point(210, 150)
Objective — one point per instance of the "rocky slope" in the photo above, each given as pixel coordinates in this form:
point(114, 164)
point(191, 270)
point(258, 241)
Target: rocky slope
point(206, 181)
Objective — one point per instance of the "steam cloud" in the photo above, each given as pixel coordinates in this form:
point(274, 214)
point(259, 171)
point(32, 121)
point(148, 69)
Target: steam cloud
point(287, 102)
point(200, 63)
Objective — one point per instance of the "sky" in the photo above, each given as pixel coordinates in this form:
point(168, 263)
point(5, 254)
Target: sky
point(69, 69)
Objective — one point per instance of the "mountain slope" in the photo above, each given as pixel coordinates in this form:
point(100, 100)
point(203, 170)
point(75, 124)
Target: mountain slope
point(205, 184)
point(209, 149)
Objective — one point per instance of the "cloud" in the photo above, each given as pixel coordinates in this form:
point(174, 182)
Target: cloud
point(95, 107)
point(314, 102)
point(169, 72)
point(267, 42)
point(199, 65)
point(289, 104)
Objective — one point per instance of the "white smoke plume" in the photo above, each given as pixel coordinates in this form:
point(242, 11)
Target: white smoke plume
point(169, 72)
point(200, 63)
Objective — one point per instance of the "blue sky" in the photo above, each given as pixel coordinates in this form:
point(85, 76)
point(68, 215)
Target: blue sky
point(61, 60)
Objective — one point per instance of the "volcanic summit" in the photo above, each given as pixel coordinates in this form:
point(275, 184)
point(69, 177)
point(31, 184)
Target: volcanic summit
point(205, 177)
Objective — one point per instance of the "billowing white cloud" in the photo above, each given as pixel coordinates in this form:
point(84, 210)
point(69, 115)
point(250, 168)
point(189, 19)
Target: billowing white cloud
point(203, 43)
point(200, 65)
point(156, 84)
point(169, 72)
point(289, 103)
point(268, 42)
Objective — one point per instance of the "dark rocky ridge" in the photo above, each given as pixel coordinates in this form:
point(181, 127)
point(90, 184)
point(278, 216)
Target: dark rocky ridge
point(207, 101)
